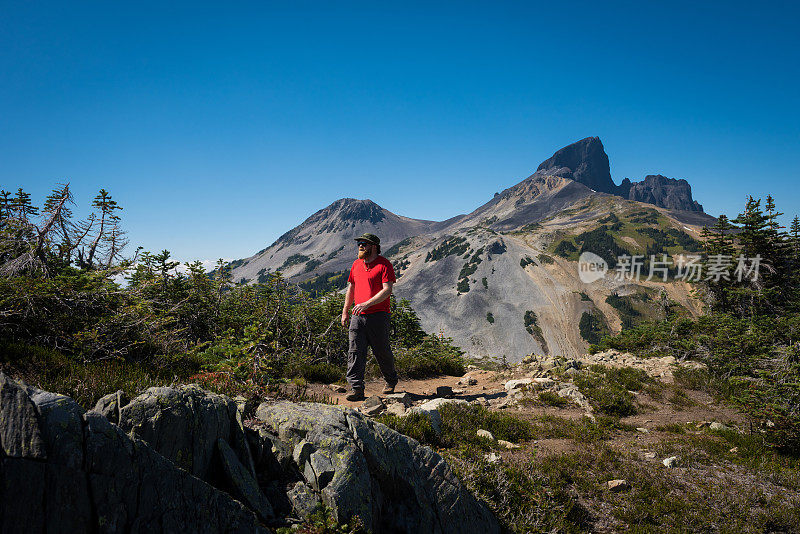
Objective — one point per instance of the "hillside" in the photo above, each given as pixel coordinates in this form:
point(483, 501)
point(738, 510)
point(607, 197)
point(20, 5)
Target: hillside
point(494, 279)
point(603, 443)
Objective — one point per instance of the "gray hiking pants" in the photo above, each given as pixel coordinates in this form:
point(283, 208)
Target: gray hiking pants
point(370, 329)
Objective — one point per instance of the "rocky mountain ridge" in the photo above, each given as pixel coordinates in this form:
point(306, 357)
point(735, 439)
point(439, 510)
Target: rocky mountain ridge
point(586, 162)
point(502, 280)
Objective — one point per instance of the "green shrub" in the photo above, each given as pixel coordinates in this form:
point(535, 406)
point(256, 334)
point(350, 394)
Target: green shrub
point(583, 430)
point(459, 426)
point(592, 326)
point(607, 392)
point(531, 323)
point(294, 259)
point(680, 399)
point(86, 382)
point(544, 259)
point(435, 356)
point(750, 362)
point(450, 246)
point(413, 425)
point(565, 249)
point(463, 285)
point(322, 521)
point(460, 423)
point(323, 283)
point(311, 265)
point(324, 372)
point(552, 399)
point(468, 270)
point(674, 428)
point(523, 498)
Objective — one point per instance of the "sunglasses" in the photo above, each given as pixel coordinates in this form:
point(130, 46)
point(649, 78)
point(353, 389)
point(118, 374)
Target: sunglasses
point(363, 244)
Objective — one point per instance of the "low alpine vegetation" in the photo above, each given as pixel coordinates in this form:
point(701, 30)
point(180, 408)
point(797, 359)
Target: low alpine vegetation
point(71, 326)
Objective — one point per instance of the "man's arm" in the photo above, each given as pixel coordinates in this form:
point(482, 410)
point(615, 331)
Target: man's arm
point(379, 297)
point(348, 302)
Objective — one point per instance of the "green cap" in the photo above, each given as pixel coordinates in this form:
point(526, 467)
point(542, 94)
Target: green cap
point(369, 238)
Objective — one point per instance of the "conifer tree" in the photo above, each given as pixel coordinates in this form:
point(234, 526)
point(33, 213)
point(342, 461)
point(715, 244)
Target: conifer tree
point(56, 205)
point(108, 232)
point(22, 207)
point(164, 266)
point(5, 206)
point(718, 242)
point(717, 239)
point(794, 236)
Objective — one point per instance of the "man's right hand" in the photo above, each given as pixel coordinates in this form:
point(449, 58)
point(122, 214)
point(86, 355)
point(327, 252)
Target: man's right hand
point(344, 318)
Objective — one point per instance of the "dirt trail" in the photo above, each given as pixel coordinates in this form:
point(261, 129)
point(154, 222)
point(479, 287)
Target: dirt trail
point(656, 412)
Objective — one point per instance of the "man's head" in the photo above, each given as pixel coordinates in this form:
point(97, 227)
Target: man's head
point(367, 244)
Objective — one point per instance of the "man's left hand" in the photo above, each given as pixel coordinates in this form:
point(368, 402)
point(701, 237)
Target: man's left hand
point(358, 309)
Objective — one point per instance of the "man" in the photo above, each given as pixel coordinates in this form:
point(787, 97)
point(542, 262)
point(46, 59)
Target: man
point(368, 289)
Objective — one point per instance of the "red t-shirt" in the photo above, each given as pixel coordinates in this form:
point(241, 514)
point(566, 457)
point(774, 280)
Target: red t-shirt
point(368, 280)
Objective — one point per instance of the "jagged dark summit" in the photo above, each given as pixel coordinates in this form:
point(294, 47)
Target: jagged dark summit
point(586, 162)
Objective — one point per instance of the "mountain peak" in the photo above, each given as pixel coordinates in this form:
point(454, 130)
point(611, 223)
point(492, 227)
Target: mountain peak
point(584, 161)
point(352, 209)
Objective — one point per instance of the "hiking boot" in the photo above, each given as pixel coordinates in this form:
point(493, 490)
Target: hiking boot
point(356, 395)
point(387, 389)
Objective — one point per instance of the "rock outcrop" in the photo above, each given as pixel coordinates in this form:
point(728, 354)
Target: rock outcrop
point(362, 468)
point(180, 460)
point(184, 424)
point(66, 470)
point(661, 191)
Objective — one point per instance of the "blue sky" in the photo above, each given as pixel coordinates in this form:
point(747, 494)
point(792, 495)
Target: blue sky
point(219, 127)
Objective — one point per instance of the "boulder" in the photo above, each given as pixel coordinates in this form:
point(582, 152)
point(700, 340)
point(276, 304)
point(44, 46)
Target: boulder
point(110, 405)
point(544, 382)
point(20, 435)
point(618, 485)
point(484, 434)
point(571, 392)
point(397, 409)
point(365, 469)
point(404, 398)
point(373, 406)
point(61, 421)
point(444, 391)
point(74, 471)
point(492, 457)
point(304, 500)
point(184, 423)
point(517, 383)
point(467, 381)
point(270, 455)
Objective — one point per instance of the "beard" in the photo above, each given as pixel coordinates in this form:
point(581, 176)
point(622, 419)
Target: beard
point(362, 253)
